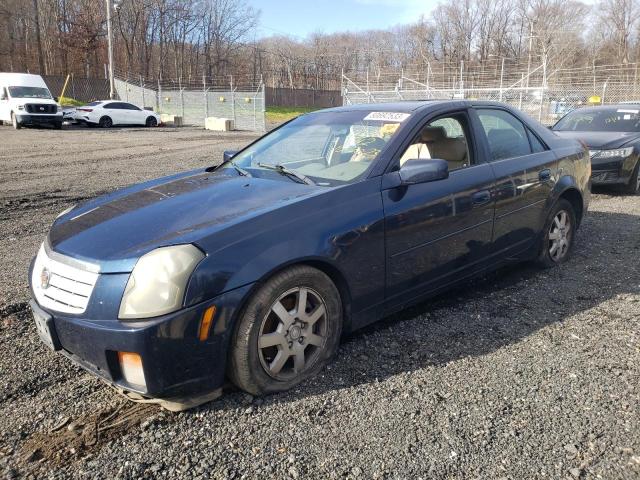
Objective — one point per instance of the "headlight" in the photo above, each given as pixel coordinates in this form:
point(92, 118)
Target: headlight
point(158, 282)
point(618, 152)
point(59, 109)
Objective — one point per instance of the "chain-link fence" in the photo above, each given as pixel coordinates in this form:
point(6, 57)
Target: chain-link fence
point(242, 103)
point(544, 95)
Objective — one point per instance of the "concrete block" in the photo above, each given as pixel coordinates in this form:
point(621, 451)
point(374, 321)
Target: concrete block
point(171, 120)
point(218, 124)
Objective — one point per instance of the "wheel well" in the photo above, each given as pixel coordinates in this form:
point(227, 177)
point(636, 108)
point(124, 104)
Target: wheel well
point(334, 275)
point(574, 197)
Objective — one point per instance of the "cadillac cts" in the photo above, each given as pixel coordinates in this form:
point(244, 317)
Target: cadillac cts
point(252, 270)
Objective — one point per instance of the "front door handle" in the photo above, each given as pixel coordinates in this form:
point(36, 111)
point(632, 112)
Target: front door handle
point(544, 175)
point(481, 198)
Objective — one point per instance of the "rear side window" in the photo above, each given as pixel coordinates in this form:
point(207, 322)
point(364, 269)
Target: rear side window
point(112, 106)
point(506, 135)
point(536, 144)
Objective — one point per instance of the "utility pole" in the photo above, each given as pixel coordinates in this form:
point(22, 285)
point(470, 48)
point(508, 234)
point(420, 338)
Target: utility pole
point(501, 77)
point(530, 46)
point(110, 48)
point(36, 10)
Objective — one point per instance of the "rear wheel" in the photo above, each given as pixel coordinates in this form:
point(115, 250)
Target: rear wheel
point(14, 121)
point(288, 331)
point(559, 234)
point(105, 122)
point(633, 187)
point(151, 122)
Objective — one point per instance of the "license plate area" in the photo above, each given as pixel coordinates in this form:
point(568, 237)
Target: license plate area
point(45, 327)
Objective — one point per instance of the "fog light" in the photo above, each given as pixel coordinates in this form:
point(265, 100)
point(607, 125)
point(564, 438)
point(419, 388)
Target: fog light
point(131, 368)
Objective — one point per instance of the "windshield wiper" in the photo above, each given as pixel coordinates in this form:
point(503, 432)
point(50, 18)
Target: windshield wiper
point(238, 169)
point(290, 173)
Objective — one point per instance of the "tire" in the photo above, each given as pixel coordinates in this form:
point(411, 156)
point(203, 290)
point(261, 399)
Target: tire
point(105, 122)
point(633, 187)
point(151, 122)
point(57, 125)
point(1, 123)
point(14, 121)
point(559, 235)
point(313, 337)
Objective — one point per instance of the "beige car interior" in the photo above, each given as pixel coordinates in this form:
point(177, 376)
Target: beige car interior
point(433, 142)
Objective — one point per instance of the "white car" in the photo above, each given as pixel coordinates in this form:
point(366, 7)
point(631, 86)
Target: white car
point(107, 113)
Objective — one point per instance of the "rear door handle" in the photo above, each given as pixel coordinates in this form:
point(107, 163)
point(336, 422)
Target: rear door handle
point(544, 175)
point(481, 198)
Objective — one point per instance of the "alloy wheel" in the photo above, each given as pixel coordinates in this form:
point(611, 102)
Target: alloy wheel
point(293, 333)
point(560, 236)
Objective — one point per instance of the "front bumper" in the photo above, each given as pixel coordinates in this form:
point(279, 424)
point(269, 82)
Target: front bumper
point(27, 119)
point(176, 363)
point(615, 171)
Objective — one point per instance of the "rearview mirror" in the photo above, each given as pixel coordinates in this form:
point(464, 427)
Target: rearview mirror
point(422, 171)
point(228, 155)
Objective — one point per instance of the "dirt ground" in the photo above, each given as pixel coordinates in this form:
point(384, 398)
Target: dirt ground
point(521, 374)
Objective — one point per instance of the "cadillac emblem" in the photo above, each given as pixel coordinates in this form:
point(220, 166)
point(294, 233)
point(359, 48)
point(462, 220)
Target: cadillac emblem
point(45, 276)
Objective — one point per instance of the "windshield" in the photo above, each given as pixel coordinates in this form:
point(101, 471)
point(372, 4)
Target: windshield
point(328, 147)
point(29, 92)
point(601, 120)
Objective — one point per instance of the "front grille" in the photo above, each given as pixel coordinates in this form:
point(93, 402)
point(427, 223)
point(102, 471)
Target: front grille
point(62, 284)
point(41, 108)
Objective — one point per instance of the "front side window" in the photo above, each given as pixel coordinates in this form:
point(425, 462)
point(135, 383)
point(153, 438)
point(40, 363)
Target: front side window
point(29, 92)
point(444, 139)
point(604, 119)
point(128, 106)
point(506, 135)
point(328, 147)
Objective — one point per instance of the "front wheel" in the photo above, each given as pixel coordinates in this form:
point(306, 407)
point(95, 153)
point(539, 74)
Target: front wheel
point(14, 121)
point(151, 122)
point(633, 187)
point(288, 331)
point(559, 234)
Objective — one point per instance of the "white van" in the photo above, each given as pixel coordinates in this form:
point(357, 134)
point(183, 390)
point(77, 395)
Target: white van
point(26, 100)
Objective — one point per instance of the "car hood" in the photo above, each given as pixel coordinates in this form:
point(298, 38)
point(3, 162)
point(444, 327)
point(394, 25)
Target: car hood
point(113, 231)
point(601, 140)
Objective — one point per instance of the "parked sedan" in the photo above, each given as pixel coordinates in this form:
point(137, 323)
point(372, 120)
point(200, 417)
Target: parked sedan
point(253, 269)
point(108, 113)
point(612, 133)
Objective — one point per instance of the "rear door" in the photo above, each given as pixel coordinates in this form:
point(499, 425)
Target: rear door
point(525, 171)
point(439, 231)
point(115, 112)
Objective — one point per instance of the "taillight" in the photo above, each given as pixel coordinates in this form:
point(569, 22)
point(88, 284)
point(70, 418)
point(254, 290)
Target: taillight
point(85, 109)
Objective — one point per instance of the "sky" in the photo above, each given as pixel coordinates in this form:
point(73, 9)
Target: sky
point(299, 18)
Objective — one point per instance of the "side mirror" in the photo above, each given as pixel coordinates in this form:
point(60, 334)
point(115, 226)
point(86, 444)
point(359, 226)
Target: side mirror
point(422, 171)
point(228, 155)
point(56, 99)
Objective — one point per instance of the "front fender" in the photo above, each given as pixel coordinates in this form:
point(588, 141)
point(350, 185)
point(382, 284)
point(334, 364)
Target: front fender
point(343, 229)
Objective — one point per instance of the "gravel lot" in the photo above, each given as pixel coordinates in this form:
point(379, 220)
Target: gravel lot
point(522, 374)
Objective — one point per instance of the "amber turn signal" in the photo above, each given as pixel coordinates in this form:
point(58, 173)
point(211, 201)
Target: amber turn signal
point(207, 321)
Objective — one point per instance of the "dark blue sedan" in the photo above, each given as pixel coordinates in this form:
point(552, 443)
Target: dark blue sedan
point(252, 270)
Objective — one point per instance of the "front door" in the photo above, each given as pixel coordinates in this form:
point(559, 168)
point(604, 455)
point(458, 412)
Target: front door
point(439, 231)
point(525, 171)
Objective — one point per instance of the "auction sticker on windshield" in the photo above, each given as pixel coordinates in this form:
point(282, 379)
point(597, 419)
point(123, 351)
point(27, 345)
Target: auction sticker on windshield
point(388, 116)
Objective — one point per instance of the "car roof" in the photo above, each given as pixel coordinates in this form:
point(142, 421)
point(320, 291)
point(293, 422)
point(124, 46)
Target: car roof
point(412, 106)
point(593, 108)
